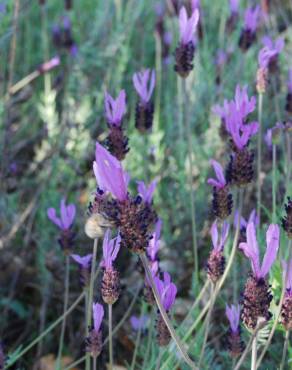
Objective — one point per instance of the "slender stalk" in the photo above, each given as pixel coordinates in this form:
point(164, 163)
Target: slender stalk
point(110, 335)
point(149, 340)
point(259, 159)
point(279, 308)
point(164, 315)
point(190, 178)
point(254, 354)
point(90, 298)
point(94, 363)
point(247, 349)
point(158, 361)
point(208, 321)
point(288, 160)
point(66, 299)
point(274, 182)
point(138, 339)
point(285, 350)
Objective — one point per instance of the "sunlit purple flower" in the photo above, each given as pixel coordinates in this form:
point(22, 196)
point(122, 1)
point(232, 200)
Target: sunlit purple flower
point(67, 215)
point(251, 249)
point(233, 315)
point(187, 26)
point(144, 83)
point(244, 104)
point(84, 261)
point(220, 182)
point(253, 217)
point(115, 109)
point(251, 18)
point(109, 173)
point(218, 245)
point(166, 290)
point(234, 6)
point(153, 247)
point(98, 313)
point(139, 323)
point(146, 192)
point(110, 248)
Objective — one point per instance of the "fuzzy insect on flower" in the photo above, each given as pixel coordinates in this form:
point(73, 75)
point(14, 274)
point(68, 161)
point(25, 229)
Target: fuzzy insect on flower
point(222, 200)
point(94, 339)
point(286, 311)
point(288, 106)
point(216, 260)
point(184, 53)
point(167, 292)
point(84, 264)
point(110, 289)
point(144, 83)
point(248, 34)
point(234, 342)
point(115, 109)
point(257, 297)
point(64, 222)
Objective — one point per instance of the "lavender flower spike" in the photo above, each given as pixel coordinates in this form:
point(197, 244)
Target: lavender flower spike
point(84, 261)
point(166, 290)
point(115, 108)
point(251, 18)
point(153, 247)
point(144, 83)
point(187, 27)
point(251, 249)
point(147, 193)
point(67, 215)
point(110, 250)
point(233, 315)
point(234, 6)
point(287, 267)
point(243, 103)
point(98, 313)
point(218, 245)
point(109, 173)
point(220, 182)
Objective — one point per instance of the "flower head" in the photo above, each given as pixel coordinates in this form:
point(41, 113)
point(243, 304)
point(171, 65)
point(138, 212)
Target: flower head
point(187, 26)
point(98, 313)
point(287, 269)
point(144, 83)
point(220, 182)
point(166, 290)
point(234, 6)
point(233, 315)
point(146, 192)
point(115, 108)
point(109, 173)
point(253, 217)
point(67, 215)
point(139, 323)
point(110, 248)
point(84, 261)
point(244, 105)
point(251, 18)
point(251, 249)
point(274, 47)
point(218, 245)
point(153, 247)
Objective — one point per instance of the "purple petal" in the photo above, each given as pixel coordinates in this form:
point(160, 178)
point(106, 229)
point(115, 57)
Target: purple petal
point(98, 313)
point(272, 238)
point(139, 323)
point(285, 271)
point(83, 261)
point(214, 234)
point(251, 249)
point(219, 172)
point(51, 212)
point(233, 315)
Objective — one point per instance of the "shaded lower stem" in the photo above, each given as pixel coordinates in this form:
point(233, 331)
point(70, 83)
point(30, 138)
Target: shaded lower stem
point(246, 351)
point(110, 335)
point(90, 298)
point(259, 157)
point(94, 363)
point(65, 307)
point(164, 315)
point(285, 350)
point(254, 354)
point(208, 321)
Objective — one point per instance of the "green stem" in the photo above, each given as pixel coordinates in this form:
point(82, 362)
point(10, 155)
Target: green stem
point(247, 349)
point(274, 182)
point(94, 363)
point(208, 321)
point(110, 335)
point(288, 160)
point(164, 315)
point(190, 178)
point(66, 299)
point(254, 354)
point(90, 298)
point(259, 158)
point(149, 340)
point(138, 339)
point(285, 350)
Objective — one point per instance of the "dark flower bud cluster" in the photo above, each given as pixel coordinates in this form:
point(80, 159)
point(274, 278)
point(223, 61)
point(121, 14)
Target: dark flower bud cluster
point(248, 34)
point(286, 312)
point(68, 4)
point(63, 37)
point(144, 116)
point(117, 142)
point(287, 219)
point(235, 344)
point(110, 288)
point(66, 241)
point(162, 333)
point(93, 342)
point(240, 169)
